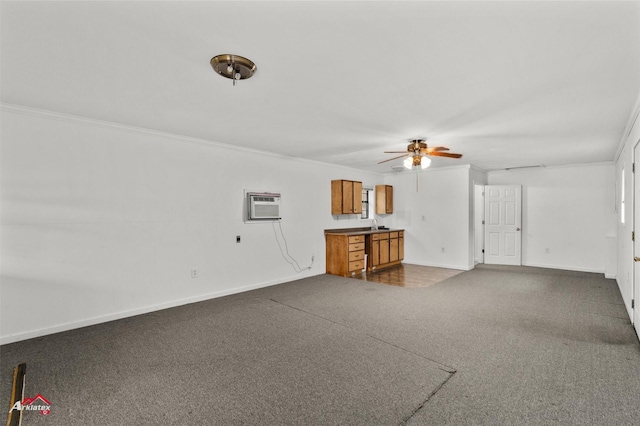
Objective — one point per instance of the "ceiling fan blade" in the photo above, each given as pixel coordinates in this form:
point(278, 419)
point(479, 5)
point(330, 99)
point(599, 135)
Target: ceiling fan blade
point(437, 148)
point(395, 158)
point(444, 154)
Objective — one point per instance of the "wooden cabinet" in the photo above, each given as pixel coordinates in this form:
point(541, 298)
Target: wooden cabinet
point(346, 197)
point(346, 250)
point(385, 249)
point(374, 252)
point(393, 247)
point(384, 199)
point(345, 254)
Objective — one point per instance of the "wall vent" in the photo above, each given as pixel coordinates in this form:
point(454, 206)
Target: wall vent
point(533, 166)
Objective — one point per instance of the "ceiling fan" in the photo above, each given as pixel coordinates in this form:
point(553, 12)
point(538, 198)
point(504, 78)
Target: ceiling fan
point(418, 150)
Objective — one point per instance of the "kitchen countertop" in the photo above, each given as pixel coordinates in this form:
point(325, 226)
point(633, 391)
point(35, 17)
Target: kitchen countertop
point(359, 231)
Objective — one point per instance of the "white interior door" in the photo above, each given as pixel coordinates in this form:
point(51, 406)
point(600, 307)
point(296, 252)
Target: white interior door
point(636, 242)
point(503, 223)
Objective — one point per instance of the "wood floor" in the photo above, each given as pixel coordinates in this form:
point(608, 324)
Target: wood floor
point(409, 276)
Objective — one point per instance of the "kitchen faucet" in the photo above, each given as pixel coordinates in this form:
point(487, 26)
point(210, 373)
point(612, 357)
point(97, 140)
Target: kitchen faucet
point(374, 225)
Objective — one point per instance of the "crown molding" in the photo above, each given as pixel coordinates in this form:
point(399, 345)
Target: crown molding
point(68, 118)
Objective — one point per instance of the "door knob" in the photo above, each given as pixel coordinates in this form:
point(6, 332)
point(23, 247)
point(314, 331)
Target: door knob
point(637, 259)
point(517, 229)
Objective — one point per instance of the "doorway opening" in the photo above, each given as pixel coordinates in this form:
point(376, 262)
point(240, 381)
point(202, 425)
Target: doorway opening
point(478, 224)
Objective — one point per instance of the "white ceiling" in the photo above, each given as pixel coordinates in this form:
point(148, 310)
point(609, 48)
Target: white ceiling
point(504, 83)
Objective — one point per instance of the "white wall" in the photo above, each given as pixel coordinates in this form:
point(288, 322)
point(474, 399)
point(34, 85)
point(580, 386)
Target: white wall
point(569, 210)
point(102, 221)
point(436, 216)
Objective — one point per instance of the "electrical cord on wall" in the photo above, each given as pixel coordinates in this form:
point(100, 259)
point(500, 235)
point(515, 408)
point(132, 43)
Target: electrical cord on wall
point(285, 253)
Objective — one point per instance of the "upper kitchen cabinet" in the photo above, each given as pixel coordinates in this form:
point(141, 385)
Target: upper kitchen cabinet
point(346, 197)
point(384, 199)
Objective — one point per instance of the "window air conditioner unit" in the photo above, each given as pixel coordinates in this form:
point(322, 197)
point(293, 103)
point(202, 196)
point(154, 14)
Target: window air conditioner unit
point(263, 205)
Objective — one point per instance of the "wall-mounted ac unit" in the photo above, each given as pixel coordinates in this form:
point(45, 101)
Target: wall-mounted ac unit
point(263, 206)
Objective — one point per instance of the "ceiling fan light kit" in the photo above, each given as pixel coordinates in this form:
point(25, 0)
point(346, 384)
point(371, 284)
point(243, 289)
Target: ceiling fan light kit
point(419, 152)
point(234, 67)
point(417, 161)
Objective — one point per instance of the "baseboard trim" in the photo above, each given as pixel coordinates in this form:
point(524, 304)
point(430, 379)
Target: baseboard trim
point(564, 267)
point(12, 338)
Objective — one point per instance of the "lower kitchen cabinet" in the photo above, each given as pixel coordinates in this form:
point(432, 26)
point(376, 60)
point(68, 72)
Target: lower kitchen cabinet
point(393, 249)
point(346, 250)
point(385, 249)
point(345, 254)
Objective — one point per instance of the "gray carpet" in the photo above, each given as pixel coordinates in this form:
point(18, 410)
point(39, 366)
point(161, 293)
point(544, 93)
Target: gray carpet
point(496, 345)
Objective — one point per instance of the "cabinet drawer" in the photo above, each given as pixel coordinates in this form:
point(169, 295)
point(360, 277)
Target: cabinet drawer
point(384, 236)
point(356, 247)
point(356, 239)
point(393, 234)
point(375, 237)
point(401, 234)
point(356, 255)
point(356, 265)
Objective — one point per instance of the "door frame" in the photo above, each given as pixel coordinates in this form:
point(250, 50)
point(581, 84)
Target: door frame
point(478, 223)
point(635, 249)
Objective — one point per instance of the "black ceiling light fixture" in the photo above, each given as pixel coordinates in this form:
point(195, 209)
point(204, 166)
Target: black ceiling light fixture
point(234, 67)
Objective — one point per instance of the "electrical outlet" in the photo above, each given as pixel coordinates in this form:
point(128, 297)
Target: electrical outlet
point(237, 238)
point(547, 250)
point(195, 272)
point(442, 250)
